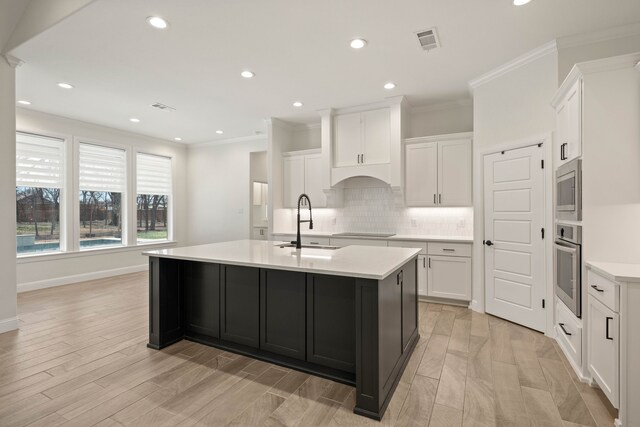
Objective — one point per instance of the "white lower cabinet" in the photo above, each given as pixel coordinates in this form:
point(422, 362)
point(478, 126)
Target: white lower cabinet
point(449, 277)
point(260, 233)
point(422, 276)
point(569, 332)
point(604, 348)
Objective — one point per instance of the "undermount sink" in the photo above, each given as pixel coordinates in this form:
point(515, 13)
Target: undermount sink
point(293, 245)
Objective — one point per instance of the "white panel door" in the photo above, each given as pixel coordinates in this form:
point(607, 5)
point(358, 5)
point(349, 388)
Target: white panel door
point(293, 180)
point(376, 136)
point(449, 277)
point(348, 140)
point(421, 174)
point(604, 348)
point(514, 249)
point(454, 173)
point(313, 181)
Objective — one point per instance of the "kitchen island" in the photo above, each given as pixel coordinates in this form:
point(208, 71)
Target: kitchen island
point(348, 314)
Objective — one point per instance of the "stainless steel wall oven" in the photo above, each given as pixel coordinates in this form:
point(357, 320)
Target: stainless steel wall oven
point(567, 266)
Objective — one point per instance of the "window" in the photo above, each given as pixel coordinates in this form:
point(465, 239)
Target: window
point(39, 187)
point(102, 179)
point(153, 193)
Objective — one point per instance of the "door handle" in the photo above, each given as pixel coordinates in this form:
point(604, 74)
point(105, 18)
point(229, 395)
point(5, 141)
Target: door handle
point(607, 331)
point(597, 288)
point(564, 330)
point(487, 242)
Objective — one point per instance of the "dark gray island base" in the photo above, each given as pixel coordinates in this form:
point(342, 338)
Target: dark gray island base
point(356, 331)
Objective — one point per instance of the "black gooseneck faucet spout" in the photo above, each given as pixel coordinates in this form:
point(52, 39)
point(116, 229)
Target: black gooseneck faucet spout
point(310, 220)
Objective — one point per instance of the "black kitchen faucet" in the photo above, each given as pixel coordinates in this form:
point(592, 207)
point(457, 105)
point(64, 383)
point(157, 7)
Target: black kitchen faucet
point(310, 220)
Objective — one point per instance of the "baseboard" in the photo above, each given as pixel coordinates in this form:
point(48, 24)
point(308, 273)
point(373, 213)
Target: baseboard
point(476, 306)
point(66, 280)
point(10, 324)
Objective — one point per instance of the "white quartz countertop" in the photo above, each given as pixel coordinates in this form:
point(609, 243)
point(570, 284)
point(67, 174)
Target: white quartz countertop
point(618, 272)
point(407, 237)
point(367, 262)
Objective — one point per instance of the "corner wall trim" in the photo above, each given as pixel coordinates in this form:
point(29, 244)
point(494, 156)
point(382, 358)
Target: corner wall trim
point(10, 324)
point(76, 278)
point(518, 62)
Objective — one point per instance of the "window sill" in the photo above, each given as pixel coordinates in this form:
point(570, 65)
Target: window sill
point(26, 259)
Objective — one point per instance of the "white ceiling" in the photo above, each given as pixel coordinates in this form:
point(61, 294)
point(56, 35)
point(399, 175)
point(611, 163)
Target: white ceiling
point(299, 50)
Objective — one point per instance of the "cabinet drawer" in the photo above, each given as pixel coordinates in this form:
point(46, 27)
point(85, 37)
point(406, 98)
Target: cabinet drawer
point(339, 241)
point(449, 249)
point(409, 244)
point(569, 332)
point(604, 290)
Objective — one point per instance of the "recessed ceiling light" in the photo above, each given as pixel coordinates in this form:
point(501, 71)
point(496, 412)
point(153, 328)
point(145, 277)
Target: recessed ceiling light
point(219, 132)
point(134, 120)
point(389, 85)
point(177, 138)
point(520, 2)
point(358, 43)
point(157, 22)
point(65, 85)
point(23, 102)
point(298, 104)
point(247, 74)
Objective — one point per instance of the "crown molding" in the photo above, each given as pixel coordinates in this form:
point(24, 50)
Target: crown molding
point(12, 60)
point(435, 138)
point(638, 66)
point(425, 108)
point(229, 140)
point(539, 52)
point(598, 36)
point(299, 127)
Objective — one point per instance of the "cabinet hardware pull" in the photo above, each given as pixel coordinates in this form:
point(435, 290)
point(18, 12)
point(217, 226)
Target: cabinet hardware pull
point(597, 288)
point(563, 151)
point(429, 262)
point(314, 243)
point(362, 158)
point(424, 263)
point(607, 331)
point(439, 199)
point(564, 330)
point(434, 199)
point(448, 250)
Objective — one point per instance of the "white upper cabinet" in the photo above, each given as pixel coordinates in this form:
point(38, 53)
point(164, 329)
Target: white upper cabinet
point(421, 177)
point(438, 172)
point(568, 143)
point(303, 174)
point(293, 180)
point(362, 138)
point(313, 180)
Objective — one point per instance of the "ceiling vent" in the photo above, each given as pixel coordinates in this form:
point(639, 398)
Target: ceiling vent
point(161, 106)
point(428, 39)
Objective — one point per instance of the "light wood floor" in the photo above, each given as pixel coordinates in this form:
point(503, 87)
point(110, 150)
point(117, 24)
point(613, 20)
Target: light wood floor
point(80, 359)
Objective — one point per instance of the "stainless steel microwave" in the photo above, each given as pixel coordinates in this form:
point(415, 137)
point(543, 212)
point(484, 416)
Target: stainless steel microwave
point(569, 191)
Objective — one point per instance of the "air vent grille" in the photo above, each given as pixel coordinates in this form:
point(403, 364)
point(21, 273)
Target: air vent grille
point(161, 106)
point(428, 39)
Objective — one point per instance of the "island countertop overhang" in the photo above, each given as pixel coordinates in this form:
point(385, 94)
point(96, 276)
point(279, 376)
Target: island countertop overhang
point(365, 262)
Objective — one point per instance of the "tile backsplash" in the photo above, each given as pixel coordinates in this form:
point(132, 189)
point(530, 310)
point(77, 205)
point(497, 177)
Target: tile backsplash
point(374, 210)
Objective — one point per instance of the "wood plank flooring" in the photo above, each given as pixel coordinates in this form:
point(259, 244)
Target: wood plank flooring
point(80, 359)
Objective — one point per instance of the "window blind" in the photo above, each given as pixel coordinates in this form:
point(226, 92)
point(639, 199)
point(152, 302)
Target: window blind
point(102, 168)
point(153, 174)
point(39, 161)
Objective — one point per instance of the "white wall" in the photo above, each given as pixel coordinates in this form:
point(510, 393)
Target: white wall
point(440, 119)
point(42, 271)
point(8, 197)
point(218, 191)
point(512, 107)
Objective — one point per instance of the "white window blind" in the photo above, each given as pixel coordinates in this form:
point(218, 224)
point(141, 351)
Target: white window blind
point(39, 161)
point(102, 168)
point(154, 174)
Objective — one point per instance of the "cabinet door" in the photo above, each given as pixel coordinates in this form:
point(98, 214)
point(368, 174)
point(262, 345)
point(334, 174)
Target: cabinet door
point(376, 136)
point(201, 285)
point(293, 180)
point(604, 348)
point(313, 181)
point(449, 277)
point(240, 305)
point(562, 129)
point(421, 174)
point(348, 140)
point(454, 173)
point(331, 321)
point(259, 233)
point(282, 312)
point(422, 275)
point(574, 121)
